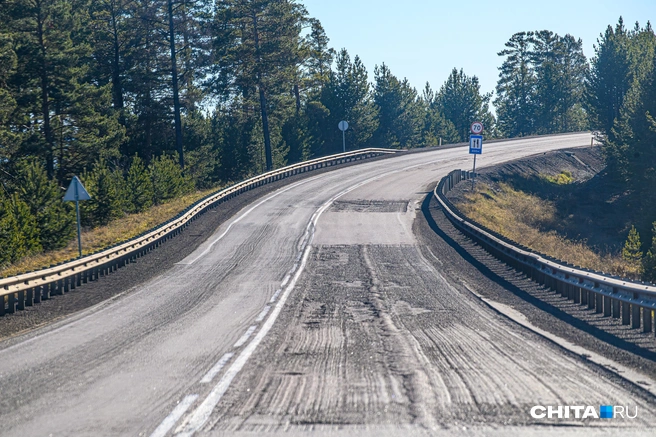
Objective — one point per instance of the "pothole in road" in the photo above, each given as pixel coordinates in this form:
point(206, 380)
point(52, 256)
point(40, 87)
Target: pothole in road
point(369, 206)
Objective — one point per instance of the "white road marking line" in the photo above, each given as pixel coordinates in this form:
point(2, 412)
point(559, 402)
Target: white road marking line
point(244, 338)
point(263, 314)
point(275, 295)
point(209, 376)
point(241, 217)
point(175, 415)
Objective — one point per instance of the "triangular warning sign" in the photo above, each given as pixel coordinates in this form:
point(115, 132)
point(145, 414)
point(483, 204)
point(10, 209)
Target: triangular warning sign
point(76, 191)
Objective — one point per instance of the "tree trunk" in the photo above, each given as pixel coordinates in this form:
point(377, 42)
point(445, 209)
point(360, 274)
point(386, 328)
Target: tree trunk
point(45, 103)
point(297, 95)
point(117, 86)
point(176, 97)
point(263, 100)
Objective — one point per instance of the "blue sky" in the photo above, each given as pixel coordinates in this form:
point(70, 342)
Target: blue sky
point(423, 40)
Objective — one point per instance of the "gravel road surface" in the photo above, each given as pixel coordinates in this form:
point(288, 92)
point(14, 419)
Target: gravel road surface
point(312, 310)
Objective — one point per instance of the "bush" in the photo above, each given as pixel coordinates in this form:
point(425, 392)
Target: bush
point(55, 220)
point(167, 178)
point(631, 253)
point(649, 261)
point(19, 234)
point(105, 189)
point(139, 187)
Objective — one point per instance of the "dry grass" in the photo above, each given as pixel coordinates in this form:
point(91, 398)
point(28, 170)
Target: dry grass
point(529, 221)
point(104, 236)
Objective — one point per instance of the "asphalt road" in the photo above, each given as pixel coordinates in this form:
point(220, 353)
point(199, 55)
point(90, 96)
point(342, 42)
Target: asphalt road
point(311, 310)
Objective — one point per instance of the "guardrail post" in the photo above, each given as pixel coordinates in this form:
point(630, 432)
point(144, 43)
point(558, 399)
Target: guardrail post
point(45, 292)
point(591, 299)
point(616, 309)
point(626, 313)
point(21, 300)
point(29, 297)
point(635, 322)
point(606, 306)
point(38, 293)
point(2, 306)
point(11, 303)
point(577, 293)
point(584, 296)
point(646, 320)
point(599, 306)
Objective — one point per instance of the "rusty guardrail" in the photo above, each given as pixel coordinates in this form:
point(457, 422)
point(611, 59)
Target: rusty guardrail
point(23, 290)
point(611, 296)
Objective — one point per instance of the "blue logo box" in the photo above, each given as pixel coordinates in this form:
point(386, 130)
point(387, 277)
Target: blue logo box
point(605, 411)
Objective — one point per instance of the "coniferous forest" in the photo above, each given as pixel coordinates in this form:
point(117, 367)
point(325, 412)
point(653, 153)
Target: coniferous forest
point(147, 100)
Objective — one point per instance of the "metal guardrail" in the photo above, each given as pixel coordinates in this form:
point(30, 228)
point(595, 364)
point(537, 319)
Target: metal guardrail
point(30, 288)
point(608, 295)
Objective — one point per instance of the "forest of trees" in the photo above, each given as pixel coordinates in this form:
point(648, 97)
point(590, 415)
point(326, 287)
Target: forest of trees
point(146, 100)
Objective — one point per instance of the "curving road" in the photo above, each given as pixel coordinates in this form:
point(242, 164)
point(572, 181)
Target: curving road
point(311, 310)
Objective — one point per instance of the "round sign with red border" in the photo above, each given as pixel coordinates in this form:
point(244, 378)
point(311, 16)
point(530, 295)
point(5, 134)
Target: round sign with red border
point(477, 128)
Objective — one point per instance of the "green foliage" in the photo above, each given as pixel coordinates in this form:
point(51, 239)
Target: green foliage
point(18, 230)
point(649, 261)
point(632, 252)
point(55, 220)
point(346, 96)
point(400, 112)
point(435, 125)
point(167, 179)
point(540, 87)
point(138, 187)
point(563, 178)
point(105, 190)
point(461, 102)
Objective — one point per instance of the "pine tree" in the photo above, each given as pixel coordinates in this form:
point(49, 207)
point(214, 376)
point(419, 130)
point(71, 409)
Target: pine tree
point(347, 96)
point(435, 125)
point(610, 77)
point(516, 88)
point(9, 138)
point(632, 253)
point(139, 187)
point(167, 179)
point(67, 119)
point(18, 230)
point(630, 144)
point(54, 219)
point(649, 261)
point(461, 102)
point(400, 114)
point(256, 55)
point(104, 188)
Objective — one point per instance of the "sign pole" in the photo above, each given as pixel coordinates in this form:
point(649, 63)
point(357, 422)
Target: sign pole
point(79, 238)
point(77, 213)
point(475, 146)
point(474, 173)
point(75, 193)
point(343, 126)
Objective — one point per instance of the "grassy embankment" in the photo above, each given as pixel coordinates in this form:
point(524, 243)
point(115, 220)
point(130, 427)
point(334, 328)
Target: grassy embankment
point(104, 236)
point(530, 220)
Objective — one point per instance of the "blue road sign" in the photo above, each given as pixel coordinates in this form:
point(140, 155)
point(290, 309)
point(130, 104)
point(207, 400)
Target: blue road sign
point(475, 144)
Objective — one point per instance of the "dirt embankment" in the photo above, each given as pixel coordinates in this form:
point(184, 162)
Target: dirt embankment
point(560, 203)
